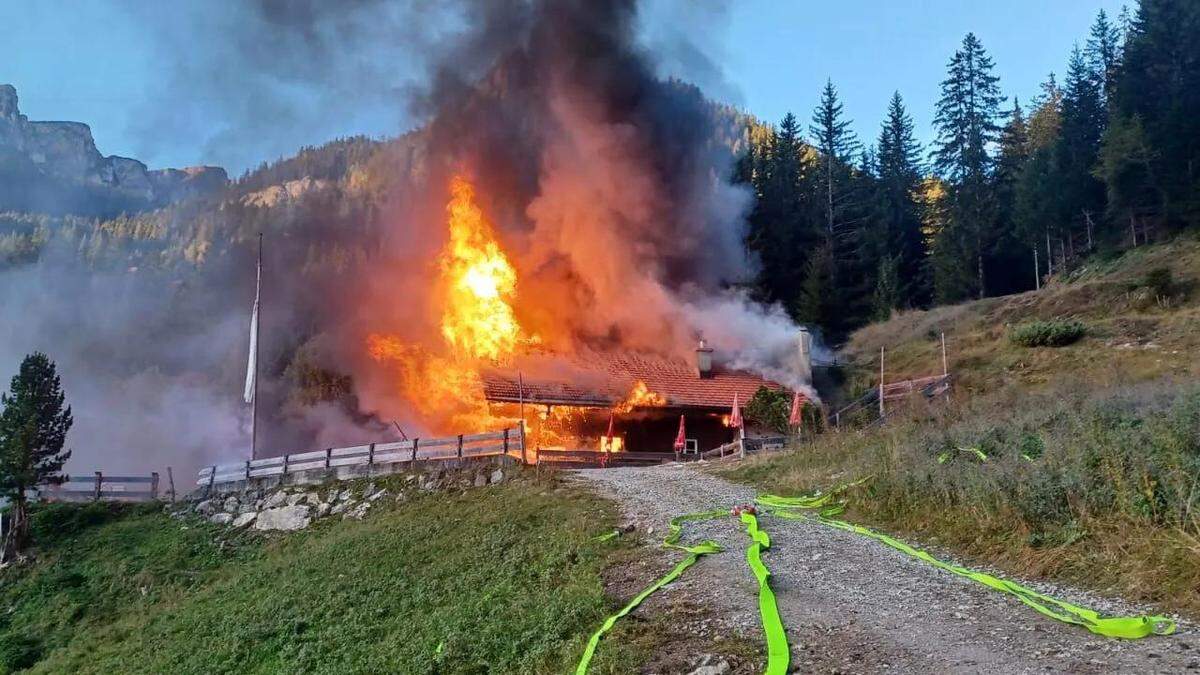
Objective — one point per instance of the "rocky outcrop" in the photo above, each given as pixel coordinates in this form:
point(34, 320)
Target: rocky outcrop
point(55, 167)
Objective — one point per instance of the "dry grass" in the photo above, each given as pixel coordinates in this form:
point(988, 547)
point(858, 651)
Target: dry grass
point(1111, 499)
point(1130, 339)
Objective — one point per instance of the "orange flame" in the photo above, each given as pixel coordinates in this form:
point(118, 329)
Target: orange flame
point(478, 323)
point(478, 317)
point(640, 396)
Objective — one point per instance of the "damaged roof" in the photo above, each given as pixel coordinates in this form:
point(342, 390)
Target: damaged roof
point(606, 379)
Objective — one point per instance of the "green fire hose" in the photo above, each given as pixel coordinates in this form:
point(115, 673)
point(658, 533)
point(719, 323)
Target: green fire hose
point(827, 505)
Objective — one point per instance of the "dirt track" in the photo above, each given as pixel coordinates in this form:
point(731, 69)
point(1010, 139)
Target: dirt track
point(853, 605)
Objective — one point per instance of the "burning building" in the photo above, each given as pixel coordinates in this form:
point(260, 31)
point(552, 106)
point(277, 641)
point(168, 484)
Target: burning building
point(641, 397)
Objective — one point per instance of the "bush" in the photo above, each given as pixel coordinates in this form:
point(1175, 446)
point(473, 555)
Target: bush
point(1047, 333)
point(1160, 282)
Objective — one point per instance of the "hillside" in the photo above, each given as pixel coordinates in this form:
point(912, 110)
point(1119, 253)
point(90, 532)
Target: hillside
point(1077, 462)
point(503, 579)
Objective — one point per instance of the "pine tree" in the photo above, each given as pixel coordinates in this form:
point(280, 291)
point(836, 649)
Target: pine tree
point(966, 128)
point(836, 143)
point(1104, 53)
point(33, 428)
point(1045, 120)
point(1079, 195)
point(1011, 250)
point(899, 171)
point(1159, 89)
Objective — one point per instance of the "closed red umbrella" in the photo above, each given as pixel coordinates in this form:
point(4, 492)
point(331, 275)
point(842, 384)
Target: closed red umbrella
point(735, 416)
point(795, 419)
point(681, 438)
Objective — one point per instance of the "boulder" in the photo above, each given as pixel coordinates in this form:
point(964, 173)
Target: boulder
point(358, 512)
point(206, 507)
point(322, 510)
point(220, 518)
point(378, 495)
point(230, 504)
point(481, 479)
point(276, 500)
point(293, 517)
point(245, 519)
point(338, 508)
point(497, 476)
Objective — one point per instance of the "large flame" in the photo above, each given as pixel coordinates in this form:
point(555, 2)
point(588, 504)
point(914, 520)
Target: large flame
point(478, 323)
point(478, 318)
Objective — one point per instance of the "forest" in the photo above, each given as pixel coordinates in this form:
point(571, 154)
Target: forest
point(1106, 157)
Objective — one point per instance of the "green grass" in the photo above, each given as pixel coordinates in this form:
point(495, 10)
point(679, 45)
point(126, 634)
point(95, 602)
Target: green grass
point(499, 579)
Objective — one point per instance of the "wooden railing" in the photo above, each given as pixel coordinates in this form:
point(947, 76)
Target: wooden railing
point(102, 487)
point(509, 442)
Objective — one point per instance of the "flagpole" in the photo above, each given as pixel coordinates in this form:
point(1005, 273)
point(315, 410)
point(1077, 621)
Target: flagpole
point(257, 321)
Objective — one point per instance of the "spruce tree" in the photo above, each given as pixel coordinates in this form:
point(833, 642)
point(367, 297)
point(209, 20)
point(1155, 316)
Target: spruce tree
point(1104, 53)
point(833, 139)
point(966, 128)
point(1011, 251)
point(1079, 195)
point(899, 175)
point(33, 428)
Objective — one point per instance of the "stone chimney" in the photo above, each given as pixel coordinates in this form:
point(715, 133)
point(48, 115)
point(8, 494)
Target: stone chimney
point(704, 365)
point(804, 355)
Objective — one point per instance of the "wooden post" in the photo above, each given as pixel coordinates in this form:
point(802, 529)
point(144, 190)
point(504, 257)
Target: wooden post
point(284, 471)
point(1132, 229)
point(945, 364)
point(247, 474)
point(328, 455)
point(171, 483)
point(1037, 271)
point(881, 411)
point(506, 442)
point(524, 459)
point(154, 485)
point(212, 478)
point(416, 442)
point(370, 457)
point(1049, 255)
point(460, 446)
point(99, 480)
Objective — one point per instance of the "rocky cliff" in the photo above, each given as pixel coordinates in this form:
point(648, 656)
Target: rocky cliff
point(54, 167)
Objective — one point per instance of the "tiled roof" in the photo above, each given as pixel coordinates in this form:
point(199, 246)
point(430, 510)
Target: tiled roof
point(605, 379)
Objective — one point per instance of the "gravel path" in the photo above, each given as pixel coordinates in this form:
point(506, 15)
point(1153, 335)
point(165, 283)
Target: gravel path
point(853, 605)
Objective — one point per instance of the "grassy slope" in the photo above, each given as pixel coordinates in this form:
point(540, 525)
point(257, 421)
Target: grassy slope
point(503, 579)
point(1112, 497)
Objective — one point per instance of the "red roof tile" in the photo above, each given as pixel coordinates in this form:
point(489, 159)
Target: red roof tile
point(605, 379)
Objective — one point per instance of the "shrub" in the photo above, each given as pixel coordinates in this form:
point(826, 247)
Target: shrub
point(1160, 282)
point(1047, 333)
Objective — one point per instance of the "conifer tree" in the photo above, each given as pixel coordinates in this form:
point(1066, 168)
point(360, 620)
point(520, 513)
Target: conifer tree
point(1080, 196)
point(966, 128)
point(1104, 53)
point(899, 171)
point(837, 146)
point(33, 428)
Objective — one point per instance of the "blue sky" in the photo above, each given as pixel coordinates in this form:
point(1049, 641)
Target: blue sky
point(105, 62)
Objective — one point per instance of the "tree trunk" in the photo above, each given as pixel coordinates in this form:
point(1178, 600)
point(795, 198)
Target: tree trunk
point(18, 528)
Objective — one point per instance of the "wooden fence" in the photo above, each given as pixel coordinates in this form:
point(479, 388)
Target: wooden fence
point(102, 487)
point(510, 442)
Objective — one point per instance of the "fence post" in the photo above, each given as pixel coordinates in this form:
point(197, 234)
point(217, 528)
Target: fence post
point(328, 455)
point(212, 478)
point(521, 430)
point(171, 483)
point(285, 469)
point(370, 457)
point(416, 442)
point(460, 446)
point(154, 485)
point(247, 474)
point(506, 442)
point(99, 480)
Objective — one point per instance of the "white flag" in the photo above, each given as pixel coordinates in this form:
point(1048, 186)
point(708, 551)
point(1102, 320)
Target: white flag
point(252, 361)
point(251, 365)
